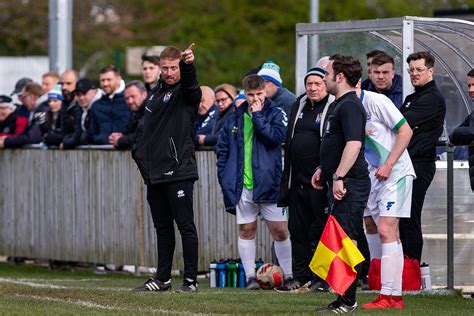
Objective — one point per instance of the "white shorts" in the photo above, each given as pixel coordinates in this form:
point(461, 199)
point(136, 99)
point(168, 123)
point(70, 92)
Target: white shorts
point(247, 211)
point(389, 198)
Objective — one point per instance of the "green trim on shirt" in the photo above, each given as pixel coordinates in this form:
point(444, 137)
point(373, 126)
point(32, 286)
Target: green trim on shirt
point(399, 124)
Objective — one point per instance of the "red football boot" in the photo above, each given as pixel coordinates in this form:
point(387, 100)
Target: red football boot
point(381, 301)
point(397, 301)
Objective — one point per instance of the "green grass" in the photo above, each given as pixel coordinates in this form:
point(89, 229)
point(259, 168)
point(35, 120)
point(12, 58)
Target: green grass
point(29, 289)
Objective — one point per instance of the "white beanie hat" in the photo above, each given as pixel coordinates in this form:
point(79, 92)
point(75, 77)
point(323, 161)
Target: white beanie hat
point(271, 71)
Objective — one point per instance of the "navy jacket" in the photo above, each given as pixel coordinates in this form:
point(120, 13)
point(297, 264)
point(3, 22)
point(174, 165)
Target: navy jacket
point(284, 98)
point(107, 115)
point(394, 93)
point(464, 135)
point(269, 132)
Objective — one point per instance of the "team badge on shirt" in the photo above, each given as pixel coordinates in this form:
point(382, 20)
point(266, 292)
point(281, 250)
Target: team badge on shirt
point(167, 97)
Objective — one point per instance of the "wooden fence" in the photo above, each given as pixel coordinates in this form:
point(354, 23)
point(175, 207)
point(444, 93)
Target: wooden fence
point(90, 206)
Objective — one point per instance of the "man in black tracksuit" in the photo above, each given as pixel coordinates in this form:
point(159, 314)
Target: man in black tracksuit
point(165, 157)
point(306, 205)
point(424, 110)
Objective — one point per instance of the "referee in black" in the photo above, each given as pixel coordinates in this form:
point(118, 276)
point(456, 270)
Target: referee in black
point(343, 165)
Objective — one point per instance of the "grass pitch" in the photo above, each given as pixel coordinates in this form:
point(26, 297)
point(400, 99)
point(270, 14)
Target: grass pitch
point(33, 290)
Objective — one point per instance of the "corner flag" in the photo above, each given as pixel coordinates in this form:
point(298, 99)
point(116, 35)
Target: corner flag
point(335, 257)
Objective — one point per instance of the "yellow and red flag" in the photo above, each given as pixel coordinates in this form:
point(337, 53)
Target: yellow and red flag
point(335, 257)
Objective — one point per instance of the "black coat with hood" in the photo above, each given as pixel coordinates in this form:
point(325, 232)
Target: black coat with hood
point(165, 148)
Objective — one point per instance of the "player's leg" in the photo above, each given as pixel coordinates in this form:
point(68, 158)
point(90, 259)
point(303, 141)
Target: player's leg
point(246, 213)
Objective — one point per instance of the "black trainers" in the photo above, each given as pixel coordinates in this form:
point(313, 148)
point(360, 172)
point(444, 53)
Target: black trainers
point(337, 307)
point(290, 285)
point(252, 284)
point(154, 285)
point(189, 286)
point(319, 286)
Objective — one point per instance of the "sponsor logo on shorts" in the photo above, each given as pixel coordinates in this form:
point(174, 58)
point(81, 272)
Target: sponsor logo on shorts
point(180, 193)
point(389, 205)
point(235, 129)
point(283, 210)
point(169, 173)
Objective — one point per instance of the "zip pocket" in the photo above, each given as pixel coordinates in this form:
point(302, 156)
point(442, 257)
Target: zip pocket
point(174, 152)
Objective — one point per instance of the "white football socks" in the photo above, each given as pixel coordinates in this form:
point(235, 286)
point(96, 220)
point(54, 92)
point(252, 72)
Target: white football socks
point(247, 250)
point(389, 267)
point(375, 245)
point(283, 253)
point(397, 283)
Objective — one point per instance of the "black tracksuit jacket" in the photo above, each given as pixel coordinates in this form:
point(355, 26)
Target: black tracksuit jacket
point(165, 148)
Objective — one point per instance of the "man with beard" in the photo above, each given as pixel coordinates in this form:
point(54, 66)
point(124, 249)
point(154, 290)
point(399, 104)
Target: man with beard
point(110, 113)
point(165, 157)
point(343, 165)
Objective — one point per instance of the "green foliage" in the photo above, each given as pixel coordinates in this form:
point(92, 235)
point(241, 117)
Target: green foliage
point(231, 36)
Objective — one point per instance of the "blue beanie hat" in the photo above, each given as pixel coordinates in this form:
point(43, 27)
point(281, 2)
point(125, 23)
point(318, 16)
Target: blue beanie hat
point(55, 93)
point(271, 71)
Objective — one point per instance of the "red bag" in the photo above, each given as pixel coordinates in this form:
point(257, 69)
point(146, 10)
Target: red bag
point(411, 277)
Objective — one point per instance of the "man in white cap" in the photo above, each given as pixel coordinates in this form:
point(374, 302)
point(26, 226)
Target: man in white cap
point(281, 96)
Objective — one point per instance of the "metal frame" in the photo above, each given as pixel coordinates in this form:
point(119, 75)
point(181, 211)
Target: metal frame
point(408, 26)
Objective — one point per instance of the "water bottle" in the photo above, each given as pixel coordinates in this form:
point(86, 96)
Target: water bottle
point(231, 273)
point(259, 263)
point(425, 277)
point(241, 274)
point(221, 273)
point(212, 274)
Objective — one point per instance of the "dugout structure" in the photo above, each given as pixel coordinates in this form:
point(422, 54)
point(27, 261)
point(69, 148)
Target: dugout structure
point(450, 41)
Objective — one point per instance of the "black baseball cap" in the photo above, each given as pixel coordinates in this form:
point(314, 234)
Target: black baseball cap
point(84, 85)
point(20, 84)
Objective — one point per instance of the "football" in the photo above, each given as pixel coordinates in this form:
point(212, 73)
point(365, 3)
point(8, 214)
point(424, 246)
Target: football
point(269, 276)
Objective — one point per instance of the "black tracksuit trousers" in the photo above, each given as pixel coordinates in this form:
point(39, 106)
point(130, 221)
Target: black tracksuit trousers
point(306, 222)
point(174, 202)
point(410, 228)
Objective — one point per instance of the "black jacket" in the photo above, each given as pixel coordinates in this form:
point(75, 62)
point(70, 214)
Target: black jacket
point(129, 137)
point(67, 129)
point(8, 126)
point(464, 135)
point(165, 149)
point(424, 111)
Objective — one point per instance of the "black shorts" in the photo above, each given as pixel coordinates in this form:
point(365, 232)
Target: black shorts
point(349, 211)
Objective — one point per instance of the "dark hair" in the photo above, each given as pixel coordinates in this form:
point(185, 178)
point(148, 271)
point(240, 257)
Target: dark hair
point(429, 59)
point(170, 52)
point(253, 82)
point(471, 73)
point(373, 53)
point(381, 59)
point(110, 68)
point(151, 59)
point(136, 83)
point(348, 66)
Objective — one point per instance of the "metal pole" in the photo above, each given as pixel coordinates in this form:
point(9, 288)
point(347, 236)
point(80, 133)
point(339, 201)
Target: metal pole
point(60, 35)
point(313, 39)
point(450, 215)
point(408, 40)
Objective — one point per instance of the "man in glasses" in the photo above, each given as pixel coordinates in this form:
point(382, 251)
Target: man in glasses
point(424, 111)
